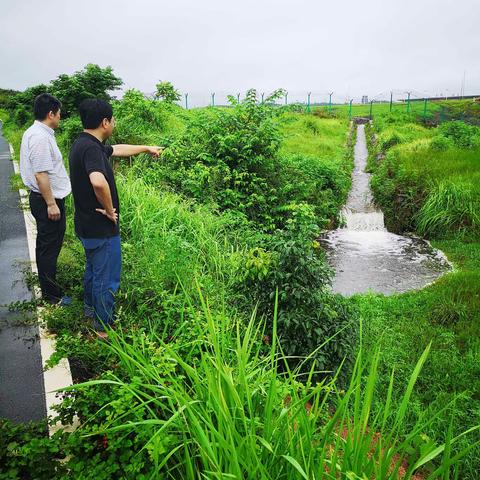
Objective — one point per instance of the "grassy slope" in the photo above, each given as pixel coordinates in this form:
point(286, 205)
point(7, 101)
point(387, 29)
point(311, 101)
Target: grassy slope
point(325, 141)
point(437, 110)
point(446, 313)
point(324, 138)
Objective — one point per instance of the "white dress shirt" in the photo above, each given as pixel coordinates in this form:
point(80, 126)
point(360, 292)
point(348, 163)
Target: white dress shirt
point(39, 152)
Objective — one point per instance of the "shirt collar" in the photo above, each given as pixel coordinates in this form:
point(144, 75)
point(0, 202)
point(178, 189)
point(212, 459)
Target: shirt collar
point(45, 127)
point(91, 137)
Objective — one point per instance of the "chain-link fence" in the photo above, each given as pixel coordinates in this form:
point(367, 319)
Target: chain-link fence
point(430, 106)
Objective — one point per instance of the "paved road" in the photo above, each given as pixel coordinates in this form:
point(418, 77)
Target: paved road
point(22, 393)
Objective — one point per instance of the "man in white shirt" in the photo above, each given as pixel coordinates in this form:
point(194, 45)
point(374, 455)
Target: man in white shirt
point(43, 172)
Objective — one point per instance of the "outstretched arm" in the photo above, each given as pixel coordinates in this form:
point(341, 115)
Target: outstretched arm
point(131, 150)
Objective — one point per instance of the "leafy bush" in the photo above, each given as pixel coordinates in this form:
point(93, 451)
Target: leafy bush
point(441, 143)
point(5, 97)
point(308, 313)
point(27, 453)
point(68, 131)
point(461, 134)
point(391, 141)
point(304, 178)
point(138, 120)
point(227, 158)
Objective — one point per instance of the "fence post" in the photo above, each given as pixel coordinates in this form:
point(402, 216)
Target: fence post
point(330, 102)
point(186, 101)
point(371, 107)
point(408, 102)
point(391, 101)
point(424, 110)
point(213, 99)
point(308, 101)
point(350, 109)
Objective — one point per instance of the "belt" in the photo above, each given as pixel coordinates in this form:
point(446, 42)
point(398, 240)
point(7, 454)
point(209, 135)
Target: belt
point(37, 194)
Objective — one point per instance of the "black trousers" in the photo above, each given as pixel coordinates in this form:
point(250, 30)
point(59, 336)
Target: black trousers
point(49, 243)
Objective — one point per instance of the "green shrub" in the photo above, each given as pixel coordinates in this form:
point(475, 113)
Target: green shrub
point(441, 143)
point(308, 179)
point(391, 141)
point(138, 120)
point(226, 157)
point(22, 116)
point(461, 134)
point(68, 131)
point(308, 313)
point(27, 453)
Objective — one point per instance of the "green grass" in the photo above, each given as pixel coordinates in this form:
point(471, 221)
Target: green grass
point(13, 134)
point(433, 193)
point(437, 110)
point(381, 109)
point(307, 134)
point(224, 412)
point(4, 115)
point(199, 388)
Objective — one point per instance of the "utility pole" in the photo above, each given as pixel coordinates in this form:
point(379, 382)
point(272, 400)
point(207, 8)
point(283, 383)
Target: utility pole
point(186, 101)
point(286, 98)
point(330, 102)
point(391, 100)
point(371, 107)
point(238, 98)
point(263, 94)
point(462, 93)
point(350, 109)
point(408, 102)
point(213, 99)
point(308, 101)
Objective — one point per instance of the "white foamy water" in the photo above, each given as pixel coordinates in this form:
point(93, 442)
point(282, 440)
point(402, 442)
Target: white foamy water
point(365, 256)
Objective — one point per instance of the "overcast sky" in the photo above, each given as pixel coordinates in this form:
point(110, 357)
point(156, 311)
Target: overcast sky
point(350, 47)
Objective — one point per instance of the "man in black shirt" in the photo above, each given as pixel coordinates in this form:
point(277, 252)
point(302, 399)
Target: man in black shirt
point(97, 208)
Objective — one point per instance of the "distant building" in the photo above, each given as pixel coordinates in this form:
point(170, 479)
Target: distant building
point(365, 99)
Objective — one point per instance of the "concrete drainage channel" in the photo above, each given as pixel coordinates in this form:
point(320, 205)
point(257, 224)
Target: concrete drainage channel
point(27, 387)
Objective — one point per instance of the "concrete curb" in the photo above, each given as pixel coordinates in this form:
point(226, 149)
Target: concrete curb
point(60, 375)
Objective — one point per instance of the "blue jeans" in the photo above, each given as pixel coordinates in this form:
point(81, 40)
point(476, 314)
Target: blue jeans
point(101, 279)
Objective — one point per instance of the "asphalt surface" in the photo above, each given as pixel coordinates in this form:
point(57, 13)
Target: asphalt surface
point(22, 392)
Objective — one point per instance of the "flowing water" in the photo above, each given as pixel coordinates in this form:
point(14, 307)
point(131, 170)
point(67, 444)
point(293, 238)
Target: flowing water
point(365, 256)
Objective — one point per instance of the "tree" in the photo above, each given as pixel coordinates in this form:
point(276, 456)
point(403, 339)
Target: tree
point(92, 81)
point(167, 92)
point(6, 96)
point(21, 104)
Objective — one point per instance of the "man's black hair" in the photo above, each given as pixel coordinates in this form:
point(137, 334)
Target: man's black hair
point(93, 111)
point(44, 104)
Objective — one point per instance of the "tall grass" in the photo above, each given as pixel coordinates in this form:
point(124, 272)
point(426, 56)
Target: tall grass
point(324, 138)
point(450, 207)
point(226, 413)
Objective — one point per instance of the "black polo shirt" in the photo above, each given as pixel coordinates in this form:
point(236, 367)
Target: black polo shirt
point(87, 155)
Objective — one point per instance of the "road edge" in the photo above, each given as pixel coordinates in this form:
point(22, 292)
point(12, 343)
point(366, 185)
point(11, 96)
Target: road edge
point(59, 376)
